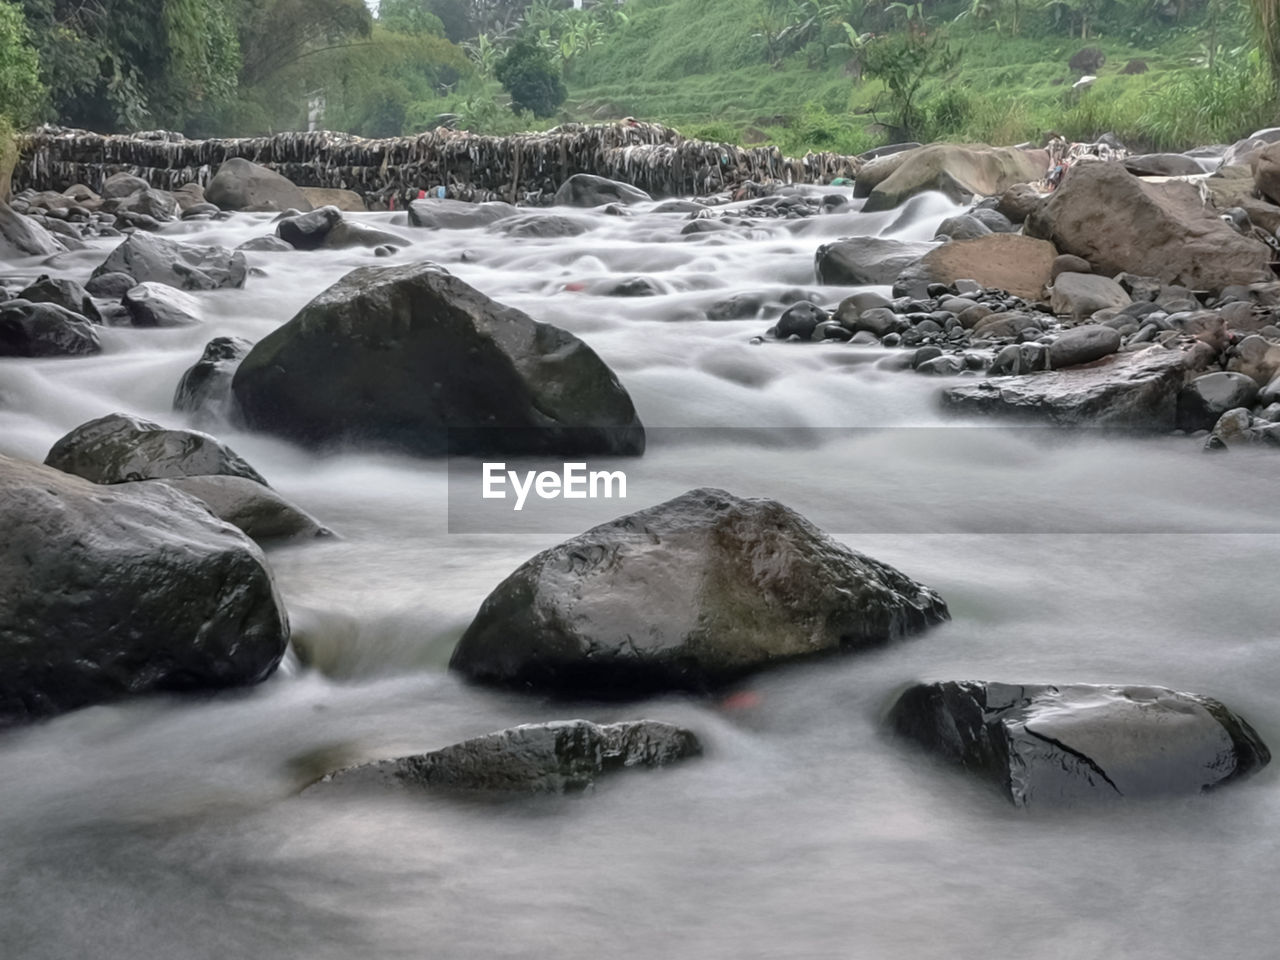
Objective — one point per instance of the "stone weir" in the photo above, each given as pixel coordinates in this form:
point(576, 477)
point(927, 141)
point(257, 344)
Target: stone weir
point(523, 168)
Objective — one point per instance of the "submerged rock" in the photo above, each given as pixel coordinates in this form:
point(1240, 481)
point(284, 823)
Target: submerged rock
point(687, 594)
point(442, 214)
point(44, 330)
point(118, 448)
point(145, 257)
point(1048, 745)
point(154, 304)
point(111, 592)
point(558, 757)
point(412, 358)
point(205, 389)
point(1134, 391)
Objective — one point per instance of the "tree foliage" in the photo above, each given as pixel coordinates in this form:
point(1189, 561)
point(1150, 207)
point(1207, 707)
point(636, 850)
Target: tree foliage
point(21, 92)
point(528, 74)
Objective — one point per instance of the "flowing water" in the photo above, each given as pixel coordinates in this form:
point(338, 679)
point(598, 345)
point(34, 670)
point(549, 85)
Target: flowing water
point(172, 827)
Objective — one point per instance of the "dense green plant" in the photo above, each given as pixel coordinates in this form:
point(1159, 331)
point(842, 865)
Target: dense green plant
point(903, 62)
point(530, 77)
point(22, 94)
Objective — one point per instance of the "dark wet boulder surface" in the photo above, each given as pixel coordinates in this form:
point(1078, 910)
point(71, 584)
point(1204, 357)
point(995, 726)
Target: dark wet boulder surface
point(588, 190)
point(185, 266)
point(412, 358)
point(44, 330)
point(259, 511)
point(119, 448)
point(558, 757)
point(688, 594)
point(205, 388)
point(1044, 745)
point(110, 592)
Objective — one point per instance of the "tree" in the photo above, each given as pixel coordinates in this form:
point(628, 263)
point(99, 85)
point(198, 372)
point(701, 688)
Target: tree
point(1266, 22)
point(22, 94)
point(410, 16)
point(903, 62)
point(529, 76)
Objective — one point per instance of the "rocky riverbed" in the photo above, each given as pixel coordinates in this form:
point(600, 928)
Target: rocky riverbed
point(223, 437)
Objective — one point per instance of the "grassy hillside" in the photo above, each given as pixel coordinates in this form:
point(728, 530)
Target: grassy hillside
point(700, 65)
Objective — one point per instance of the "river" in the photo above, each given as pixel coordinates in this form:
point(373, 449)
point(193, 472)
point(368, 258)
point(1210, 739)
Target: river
point(171, 827)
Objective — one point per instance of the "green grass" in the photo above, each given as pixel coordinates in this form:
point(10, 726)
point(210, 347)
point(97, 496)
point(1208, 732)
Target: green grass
point(694, 65)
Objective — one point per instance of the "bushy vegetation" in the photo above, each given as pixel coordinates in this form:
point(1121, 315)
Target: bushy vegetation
point(841, 75)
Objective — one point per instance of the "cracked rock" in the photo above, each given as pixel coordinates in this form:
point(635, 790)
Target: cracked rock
point(1044, 745)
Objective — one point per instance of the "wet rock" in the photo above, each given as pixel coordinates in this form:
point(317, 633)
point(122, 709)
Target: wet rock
point(441, 214)
point(944, 366)
point(266, 245)
point(1080, 295)
point(877, 320)
point(114, 592)
point(437, 367)
point(191, 196)
point(1232, 429)
point(1119, 223)
point(1133, 391)
point(160, 305)
point(187, 267)
point(205, 389)
point(110, 286)
point(962, 227)
point(540, 226)
point(741, 306)
point(1008, 325)
point(586, 190)
point(158, 205)
point(118, 448)
point(1053, 746)
point(1208, 397)
point(21, 236)
point(244, 185)
point(866, 260)
point(958, 170)
point(1019, 358)
point(260, 512)
point(800, 320)
point(347, 234)
point(1009, 262)
point(1083, 345)
point(687, 594)
point(44, 330)
point(558, 757)
point(993, 220)
point(307, 231)
point(62, 293)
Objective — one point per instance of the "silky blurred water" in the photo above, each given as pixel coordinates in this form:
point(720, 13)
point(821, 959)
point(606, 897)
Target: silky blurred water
point(171, 827)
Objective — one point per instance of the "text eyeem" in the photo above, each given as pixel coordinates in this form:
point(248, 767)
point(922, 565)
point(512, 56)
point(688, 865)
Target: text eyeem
point(573, 482)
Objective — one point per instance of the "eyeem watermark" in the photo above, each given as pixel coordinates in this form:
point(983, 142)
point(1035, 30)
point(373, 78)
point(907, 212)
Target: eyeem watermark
point(573, 482)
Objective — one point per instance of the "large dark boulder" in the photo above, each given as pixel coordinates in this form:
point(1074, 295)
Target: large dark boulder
point(205, 389)
point(588, 190)
point(63, 293)
point(866, 260)
point(410, 357)
point(1050, 746)
point(1119, 223)
point(44, 330)
point(1208, 397)
point(118, 448)
point(146, 257)
point(20, 236)
point(688, 594)
point(244, 185)
point(1131, 391)
point(307, 231)
point(442, 214)
point(558, 757)
point(111, 592)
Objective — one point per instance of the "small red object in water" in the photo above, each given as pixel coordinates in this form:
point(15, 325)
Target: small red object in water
point(576, 287)
point(742, 700)
point(422, 194)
